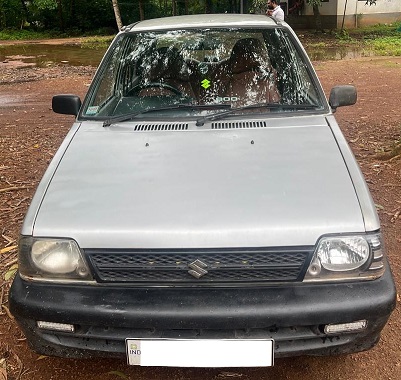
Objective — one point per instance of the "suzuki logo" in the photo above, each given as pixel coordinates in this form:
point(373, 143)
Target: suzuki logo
point(197, 269)
point(205, 84)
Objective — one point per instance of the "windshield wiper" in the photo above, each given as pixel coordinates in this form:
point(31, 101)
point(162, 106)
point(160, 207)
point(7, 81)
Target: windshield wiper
point(200, 122)
point(130, 116)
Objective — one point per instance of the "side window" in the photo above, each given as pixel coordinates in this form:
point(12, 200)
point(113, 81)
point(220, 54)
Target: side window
point(107, 85)
point(294, 81)
point(105, 89)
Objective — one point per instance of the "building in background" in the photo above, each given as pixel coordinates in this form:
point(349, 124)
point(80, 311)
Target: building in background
point(338, 13)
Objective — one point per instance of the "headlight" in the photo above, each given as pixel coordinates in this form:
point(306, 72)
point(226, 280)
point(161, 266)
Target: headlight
point(52, 259)
point(347, 258)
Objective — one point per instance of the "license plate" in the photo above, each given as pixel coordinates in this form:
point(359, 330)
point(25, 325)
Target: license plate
point(200, 352)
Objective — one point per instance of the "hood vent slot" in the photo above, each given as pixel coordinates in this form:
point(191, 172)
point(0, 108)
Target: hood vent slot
point(160, 127)
point(239, 124)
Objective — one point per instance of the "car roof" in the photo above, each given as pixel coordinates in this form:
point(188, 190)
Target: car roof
point(204, 21)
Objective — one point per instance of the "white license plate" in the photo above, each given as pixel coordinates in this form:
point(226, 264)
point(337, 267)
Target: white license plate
point(200, 352)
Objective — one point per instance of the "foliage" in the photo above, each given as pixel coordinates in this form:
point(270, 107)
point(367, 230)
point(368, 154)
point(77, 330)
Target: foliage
point(387, 46)
point(87, 15)
point(343, 35)
point(46, 4)
point(12, 34)
point(97, 42)
point(314, 3)
point(379, 30)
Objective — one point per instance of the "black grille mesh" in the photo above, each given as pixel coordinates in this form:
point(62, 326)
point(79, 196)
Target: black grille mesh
point(222, 266)
point(160, 127)
point(239, 124)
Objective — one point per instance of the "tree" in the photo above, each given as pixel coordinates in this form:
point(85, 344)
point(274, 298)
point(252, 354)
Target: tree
point(141, 11)
point(316, 13)
point(60, 14)
point(117, 14)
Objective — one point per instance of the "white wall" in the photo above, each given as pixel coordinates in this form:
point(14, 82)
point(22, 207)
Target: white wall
point(358, 14)
point(356, 7)
point(359, 7)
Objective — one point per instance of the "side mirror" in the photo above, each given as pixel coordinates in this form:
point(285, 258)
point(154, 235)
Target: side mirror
point(66, 104)
point(342, 96)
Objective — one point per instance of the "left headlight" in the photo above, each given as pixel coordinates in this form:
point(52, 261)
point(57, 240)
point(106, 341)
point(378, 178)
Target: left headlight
point(347, 258)
point(52, 259)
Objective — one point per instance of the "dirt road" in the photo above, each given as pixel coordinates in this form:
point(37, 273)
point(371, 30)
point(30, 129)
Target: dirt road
point(30, 134)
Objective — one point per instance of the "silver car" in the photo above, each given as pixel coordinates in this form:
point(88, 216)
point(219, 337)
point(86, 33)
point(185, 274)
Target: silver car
point(203, 205)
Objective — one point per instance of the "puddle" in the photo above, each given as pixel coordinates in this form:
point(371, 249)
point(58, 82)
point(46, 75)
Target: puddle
point(338, 53)
point(41, 55)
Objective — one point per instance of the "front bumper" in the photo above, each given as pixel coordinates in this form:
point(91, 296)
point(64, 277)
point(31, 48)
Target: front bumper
point(292, 314)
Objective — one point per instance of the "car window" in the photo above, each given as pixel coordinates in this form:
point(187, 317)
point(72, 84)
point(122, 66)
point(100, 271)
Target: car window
point(228, 67)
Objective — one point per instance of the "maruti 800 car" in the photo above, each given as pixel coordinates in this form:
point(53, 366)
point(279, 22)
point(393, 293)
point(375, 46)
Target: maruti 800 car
point(204, 208)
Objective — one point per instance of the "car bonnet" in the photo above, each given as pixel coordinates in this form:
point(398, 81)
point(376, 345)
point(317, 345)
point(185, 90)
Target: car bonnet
point(282, 185)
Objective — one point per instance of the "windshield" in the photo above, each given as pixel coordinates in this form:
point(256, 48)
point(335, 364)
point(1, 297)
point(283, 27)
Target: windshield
point(202, 72)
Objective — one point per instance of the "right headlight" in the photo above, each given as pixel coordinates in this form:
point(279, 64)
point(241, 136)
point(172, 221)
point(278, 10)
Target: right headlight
point(346, 258)
point(50, 259)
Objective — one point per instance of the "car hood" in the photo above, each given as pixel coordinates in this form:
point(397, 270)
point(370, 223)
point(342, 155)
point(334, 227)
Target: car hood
point(276, 186)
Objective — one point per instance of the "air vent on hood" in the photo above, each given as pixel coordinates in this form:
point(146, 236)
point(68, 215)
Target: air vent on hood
point(161, 127)
point(239, 124)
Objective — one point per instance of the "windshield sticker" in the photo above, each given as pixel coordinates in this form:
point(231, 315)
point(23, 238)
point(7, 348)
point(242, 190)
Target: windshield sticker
point(205, 84)
point(92, 110)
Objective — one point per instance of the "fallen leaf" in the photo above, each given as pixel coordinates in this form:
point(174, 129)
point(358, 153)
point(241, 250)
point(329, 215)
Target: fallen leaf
point(8, 249)
point(7, 310)
point(11, 272)
point(42, 357)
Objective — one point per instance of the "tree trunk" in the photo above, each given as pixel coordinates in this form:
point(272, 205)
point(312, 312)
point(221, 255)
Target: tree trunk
point(3, 20)
point(117, 14)
point(25, 9)
point(318, 19)
point(73, 18)
point(208, 6)
point(60, 14)
point(174, 4)
point(141, 11)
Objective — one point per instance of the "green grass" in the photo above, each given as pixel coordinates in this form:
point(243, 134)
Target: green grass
point(387, 46)
point(25, 34)
point(14, 35)
point(317, 44)
point(91, 42)
point(376, 31)
point(96, 42)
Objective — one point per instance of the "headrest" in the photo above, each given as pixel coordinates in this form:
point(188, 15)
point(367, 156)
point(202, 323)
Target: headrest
point(247, 54)
point(166, 63)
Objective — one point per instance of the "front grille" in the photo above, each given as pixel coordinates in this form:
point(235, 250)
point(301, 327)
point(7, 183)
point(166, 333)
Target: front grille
point(210, 266)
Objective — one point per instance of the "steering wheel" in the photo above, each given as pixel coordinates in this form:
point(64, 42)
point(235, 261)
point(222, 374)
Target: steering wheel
point(166, 86)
